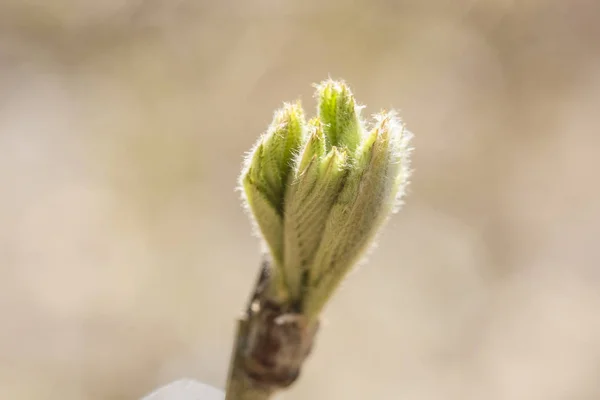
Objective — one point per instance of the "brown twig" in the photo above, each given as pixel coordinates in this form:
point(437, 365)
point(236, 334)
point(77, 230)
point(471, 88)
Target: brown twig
point(272, 342)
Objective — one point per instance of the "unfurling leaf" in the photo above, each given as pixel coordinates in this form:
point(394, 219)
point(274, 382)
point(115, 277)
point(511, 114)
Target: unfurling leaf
point(320, 191)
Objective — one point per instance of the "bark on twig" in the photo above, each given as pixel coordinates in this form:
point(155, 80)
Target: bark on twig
point(272, 342)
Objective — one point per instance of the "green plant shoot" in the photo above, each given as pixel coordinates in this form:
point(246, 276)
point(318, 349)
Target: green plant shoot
point(319, 191)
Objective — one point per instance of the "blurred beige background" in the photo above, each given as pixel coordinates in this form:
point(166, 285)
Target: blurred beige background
point(125, 255)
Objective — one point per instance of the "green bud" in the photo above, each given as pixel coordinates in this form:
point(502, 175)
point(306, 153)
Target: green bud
point(340, 114)
point(308, 202)
point(281, 141)
point(371, 192)
point(313, 148)
point(320, 191)
point(267, 171)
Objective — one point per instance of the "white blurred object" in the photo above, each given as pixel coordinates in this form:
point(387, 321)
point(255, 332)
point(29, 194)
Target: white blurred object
point(186, 389)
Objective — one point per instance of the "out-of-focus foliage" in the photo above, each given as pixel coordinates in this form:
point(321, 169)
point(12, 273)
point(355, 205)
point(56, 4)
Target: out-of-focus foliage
point(124, 253)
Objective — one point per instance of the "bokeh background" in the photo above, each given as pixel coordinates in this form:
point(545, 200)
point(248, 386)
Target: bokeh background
point(125, 255)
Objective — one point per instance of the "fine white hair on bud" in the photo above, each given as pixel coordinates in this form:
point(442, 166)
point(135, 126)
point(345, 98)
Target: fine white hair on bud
point(319, 191)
